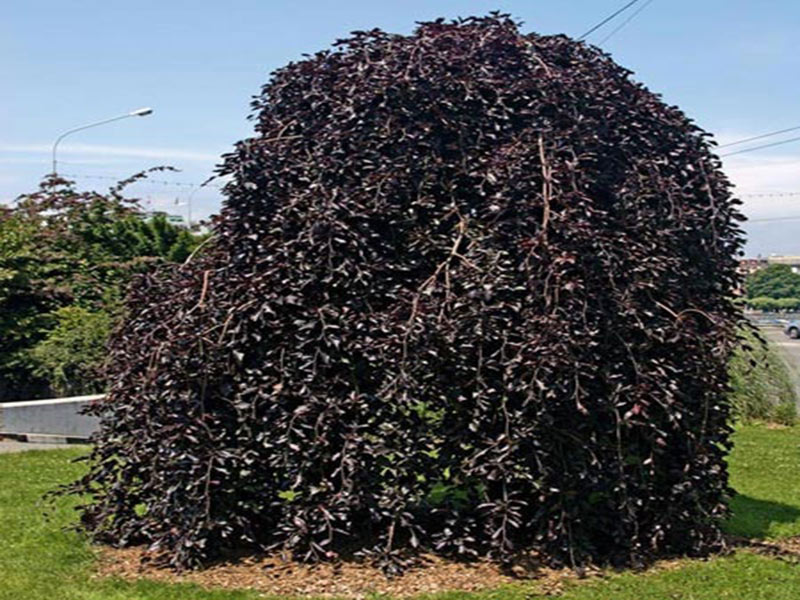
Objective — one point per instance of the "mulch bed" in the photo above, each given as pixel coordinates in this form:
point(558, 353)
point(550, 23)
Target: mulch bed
point(786, 549)
point(274, 575)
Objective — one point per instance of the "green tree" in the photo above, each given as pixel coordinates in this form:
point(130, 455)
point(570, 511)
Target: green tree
point(69, 357)
point(65, 250)
point(763, 303)
point(788, 304)
point(25, 303)
point(774, 281)
point(134, 237)
point(761, 387)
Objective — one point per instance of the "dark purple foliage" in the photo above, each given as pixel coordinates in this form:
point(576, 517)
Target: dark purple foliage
point(470, 293)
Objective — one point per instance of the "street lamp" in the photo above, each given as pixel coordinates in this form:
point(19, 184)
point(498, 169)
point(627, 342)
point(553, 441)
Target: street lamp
point(139, 112)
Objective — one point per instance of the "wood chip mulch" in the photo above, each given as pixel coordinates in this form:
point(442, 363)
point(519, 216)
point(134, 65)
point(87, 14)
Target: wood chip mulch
point(786, 549)
point(274, 576)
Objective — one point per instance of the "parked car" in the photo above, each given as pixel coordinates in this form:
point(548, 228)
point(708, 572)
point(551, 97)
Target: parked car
point(792, 329)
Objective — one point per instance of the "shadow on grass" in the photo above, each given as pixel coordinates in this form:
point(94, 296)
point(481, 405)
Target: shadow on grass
point(754, 518)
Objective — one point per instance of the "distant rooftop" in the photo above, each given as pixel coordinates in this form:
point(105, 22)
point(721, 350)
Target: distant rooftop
point(784, 260)
point(177, 220)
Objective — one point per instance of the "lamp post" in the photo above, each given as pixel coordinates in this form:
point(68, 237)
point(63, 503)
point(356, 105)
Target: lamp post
point(140, 112)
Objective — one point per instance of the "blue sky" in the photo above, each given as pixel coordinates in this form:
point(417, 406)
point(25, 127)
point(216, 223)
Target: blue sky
point(732, 65)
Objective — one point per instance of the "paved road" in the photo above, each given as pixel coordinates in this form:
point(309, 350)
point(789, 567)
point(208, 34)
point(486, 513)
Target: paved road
point(789, 350)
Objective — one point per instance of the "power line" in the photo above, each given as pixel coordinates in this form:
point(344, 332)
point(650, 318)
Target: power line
point(145, 180)
point(772, 219)
point(795, 139)
point(758, 137)
point(625, 22)
point(770, 195)
point(198, 186)
point(607, 19)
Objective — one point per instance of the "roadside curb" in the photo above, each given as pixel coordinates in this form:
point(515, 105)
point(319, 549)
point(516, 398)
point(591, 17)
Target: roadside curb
point(40, 438)
point(53, 419)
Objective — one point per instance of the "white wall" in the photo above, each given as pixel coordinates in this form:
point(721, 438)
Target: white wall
point(60, 417)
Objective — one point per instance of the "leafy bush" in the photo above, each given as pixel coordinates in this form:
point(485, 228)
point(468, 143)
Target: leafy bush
point(761, 385)
point(784, 414)
point(64, 249)
point(763, 303)
point(25, 306)
point(471, 294)
point(73, 351)
point(135, 237)
point(774, 281)
point(788, 304)
point(766, 304)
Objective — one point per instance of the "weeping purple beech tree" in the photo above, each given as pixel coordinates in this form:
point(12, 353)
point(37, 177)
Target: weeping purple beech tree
point(470, 294)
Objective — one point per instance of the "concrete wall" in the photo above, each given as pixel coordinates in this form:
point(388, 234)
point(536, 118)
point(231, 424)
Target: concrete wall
point(57, 417)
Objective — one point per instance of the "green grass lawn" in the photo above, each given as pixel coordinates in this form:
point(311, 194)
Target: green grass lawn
point(765, 470)
point(40, 561)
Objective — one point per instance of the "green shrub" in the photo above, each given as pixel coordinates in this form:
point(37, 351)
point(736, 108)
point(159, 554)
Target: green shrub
point(775, 281)
point(762, 387)
point(767, 304)
point(788, 303)
point(784, 414)
point(63, 248)
point(763, 303)
point(73, 350)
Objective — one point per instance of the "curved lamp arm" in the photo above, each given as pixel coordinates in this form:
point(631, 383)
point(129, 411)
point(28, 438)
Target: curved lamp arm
point(141, 112)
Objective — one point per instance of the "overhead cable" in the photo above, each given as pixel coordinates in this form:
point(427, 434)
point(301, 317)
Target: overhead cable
point(758, 137)
point(794, 139)
point(625, 22)
point(607, 19)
